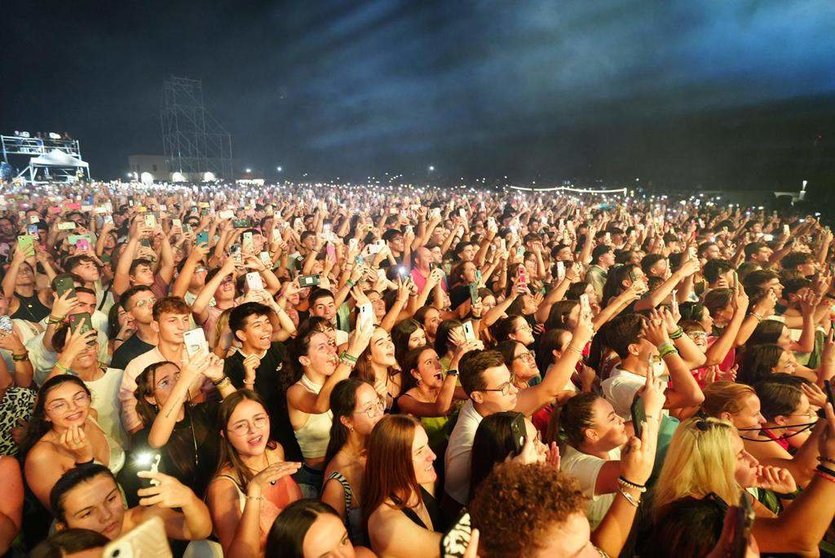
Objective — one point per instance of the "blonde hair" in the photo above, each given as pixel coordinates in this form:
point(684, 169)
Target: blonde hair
point(725, 397)
point(700, 461)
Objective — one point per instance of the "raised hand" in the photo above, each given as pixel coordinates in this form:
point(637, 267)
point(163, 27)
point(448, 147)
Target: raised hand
point(271, 475)
point(167, 493)
point(775, 479)
point(75, 441)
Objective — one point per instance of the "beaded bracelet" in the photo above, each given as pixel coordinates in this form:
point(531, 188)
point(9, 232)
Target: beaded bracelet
point(574, 349)
point(639, 487)
point(668, 352)
point(349, 358)
point(757, 316)
point(677, 333)
point(20, 358)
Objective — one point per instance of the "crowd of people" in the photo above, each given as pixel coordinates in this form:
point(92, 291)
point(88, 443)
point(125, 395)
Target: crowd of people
point(336, 371)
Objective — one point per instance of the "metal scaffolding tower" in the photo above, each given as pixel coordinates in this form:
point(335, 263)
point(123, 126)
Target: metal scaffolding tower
point(194, 142)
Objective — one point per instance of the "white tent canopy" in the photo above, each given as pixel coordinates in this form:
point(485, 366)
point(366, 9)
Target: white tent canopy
point(57, 158)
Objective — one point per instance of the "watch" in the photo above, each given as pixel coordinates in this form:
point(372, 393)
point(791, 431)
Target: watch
point(452, 372)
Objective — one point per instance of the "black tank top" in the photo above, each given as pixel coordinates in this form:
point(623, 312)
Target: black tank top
point(31, 309)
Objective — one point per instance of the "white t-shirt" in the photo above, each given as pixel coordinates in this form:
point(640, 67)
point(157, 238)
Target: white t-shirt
point(620, 388)
point(105, 401)
point(459, 452)
point(585, 468)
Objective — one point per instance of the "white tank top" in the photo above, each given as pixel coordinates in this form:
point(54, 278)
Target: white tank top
point(314, 435)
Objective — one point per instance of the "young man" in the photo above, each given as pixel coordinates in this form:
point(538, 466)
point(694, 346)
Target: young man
point(258, 365)
point(602, 258)
point(133, 270)
point(489, 386)
point(41, 352)
point(638, 351)
point(321, 303)
point(138, 302)
point(170, 322)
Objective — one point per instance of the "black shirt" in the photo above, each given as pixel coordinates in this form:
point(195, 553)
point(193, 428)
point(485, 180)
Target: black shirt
point(191, 454)
point(269, 385)
point(131, 348)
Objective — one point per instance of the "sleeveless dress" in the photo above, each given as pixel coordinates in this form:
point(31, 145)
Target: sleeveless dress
point(276, 497)
point(314, 435)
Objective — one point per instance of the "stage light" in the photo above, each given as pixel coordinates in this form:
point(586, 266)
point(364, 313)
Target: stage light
point(146, 178)
point(248, 170)
point(279, 169)
point(53, 135)
point(431, 168)
point(208, 176)
point(178, 177)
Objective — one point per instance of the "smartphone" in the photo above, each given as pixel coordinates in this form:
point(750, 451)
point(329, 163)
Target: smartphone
point(674, 303)
point(203, 238)
point(254, 282)
point(266, 259)
point(786, 230)
point(520, 252)
point(469, 332)
point(330, 250)
point(639, 415)
point(235, 252)
point(195, 340)
point(522, 275)
point(585, 306)
point(693, 253)
point(735, 280)
point(560, 270)
point(107, 219)
point(6, 325)
point(32, 230)
point(454, 542)
point(177, 223)
point(64, 284)
point(246, 242)
point(34, 219)
point(147, 539)
point(26, 244)
point(365, 314)
point(298, 223)
point(744, 522)
point(353, 244)
point(82, 322)
point(473, 293)
point(519, 433)
point(309, 281)
point(150, 221)
point(242, 223)
point(82, 245)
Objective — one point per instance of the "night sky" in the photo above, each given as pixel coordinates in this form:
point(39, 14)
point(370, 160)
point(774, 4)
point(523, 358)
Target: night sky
point(681, 93)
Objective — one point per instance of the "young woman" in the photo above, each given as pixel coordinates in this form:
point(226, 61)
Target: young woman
point(63, 434)
point(88, 497)
point(357, 408)
point(398, 503)
point(318, 370)
point(594, 438)
point(507, 436)
point(740, 405)
point(253, 482)
point(429, 393)
point(450, 334)
point(311, 529)
point(377, 364)
point(184, 433)
point(407, 335)
point(78, 354)
point(707, 458)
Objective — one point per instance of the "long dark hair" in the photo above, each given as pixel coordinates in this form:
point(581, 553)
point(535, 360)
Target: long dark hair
point(548, 343)
point(767, 331)
point(181, 445)
point(343, 402)
point(228, 454)
point(758, 363)
point(492, 444)
point(442, 336)
point(569, 421)
point(411, 361)
point(286, 537)
point(38, 425)
point(400, 334)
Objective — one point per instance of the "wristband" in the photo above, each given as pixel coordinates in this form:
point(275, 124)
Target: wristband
point(757, 316)
point(677, 333)
point(350, 283)
point(826, 471)
point(217, 383)
point(256, 498)
point(52, 320)
point(348, 357)
point(575, 350)
point(83, 463)
point(828, 477)
point(452, 372)
point(21, 357)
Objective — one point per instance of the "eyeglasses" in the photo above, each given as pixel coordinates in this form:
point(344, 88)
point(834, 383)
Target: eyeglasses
point(374, 409)
point(529, 355)
point(504, 389)
point(525, 326)
point(145, 302)
point(63, 406)
point(243, 427)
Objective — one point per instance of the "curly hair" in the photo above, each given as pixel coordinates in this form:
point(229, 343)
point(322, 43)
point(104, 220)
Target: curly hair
point(511, 496)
